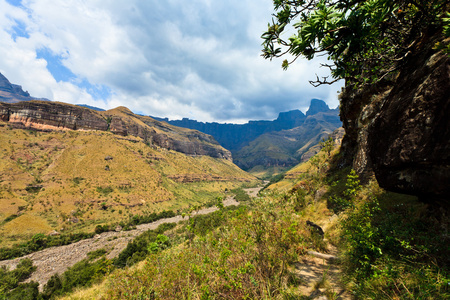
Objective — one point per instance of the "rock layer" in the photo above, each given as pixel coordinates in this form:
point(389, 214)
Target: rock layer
point(42, 115)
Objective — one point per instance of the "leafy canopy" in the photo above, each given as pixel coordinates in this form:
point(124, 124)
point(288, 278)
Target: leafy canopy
point(365, 39)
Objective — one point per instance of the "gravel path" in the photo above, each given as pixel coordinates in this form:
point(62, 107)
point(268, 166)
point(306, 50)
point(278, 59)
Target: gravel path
point(58, 259)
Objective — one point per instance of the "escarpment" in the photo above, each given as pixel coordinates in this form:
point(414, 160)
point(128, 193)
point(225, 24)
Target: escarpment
point(399, 131)
point(43, 115)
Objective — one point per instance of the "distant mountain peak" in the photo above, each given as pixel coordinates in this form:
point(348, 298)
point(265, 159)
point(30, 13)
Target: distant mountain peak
point(290, 115)
point(13, 93)
point(317, 106)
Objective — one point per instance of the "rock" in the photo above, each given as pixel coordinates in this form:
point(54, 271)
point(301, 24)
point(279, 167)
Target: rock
point(118, 228)
point(51, 116)
point(399, 130)
point(53, 233)
point(109, 158)
point(317, 106)
point(409, 140)
point(315, 228)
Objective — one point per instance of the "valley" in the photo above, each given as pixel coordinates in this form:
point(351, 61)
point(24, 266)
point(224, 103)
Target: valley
point(266, 148)
point(72, 181)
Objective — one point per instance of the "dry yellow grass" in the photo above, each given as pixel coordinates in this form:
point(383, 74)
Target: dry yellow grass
point(27, 224)
point(66, 178)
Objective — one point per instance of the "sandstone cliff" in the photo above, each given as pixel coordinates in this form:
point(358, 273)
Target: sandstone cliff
point(42, 115)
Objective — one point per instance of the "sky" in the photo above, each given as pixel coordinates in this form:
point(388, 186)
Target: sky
point(199, 59)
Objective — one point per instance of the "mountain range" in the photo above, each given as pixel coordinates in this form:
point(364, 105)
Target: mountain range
point(253, 146)
point(13, 93)
point(268, 144)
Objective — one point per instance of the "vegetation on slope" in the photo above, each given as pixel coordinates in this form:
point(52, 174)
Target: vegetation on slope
point(391, 245)
point(72, 181)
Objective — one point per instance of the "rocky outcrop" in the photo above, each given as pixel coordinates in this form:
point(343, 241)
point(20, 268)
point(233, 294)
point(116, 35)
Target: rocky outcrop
point(277, 143)
point(409, 140)
point(42, 115)
point(13, 93)
point(236, 136)
point(317, 106)
point(191, 142)
point(399, 131)
point(51, 116)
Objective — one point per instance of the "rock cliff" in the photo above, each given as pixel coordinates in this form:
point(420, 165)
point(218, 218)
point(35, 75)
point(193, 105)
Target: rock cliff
point(13, 93)
point(42, 115)
point(400, 130)
point(277, 143)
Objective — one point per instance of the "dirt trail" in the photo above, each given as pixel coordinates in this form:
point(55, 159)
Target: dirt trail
point(58, 259)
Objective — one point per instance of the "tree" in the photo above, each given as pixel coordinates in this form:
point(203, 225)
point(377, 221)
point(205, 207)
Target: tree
point(365, 40)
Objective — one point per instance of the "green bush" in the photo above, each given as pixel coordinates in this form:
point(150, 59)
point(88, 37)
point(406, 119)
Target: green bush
point(10, 287)
point(394, 247)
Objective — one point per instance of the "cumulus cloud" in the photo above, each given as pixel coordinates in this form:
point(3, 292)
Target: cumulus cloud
point(198, 59)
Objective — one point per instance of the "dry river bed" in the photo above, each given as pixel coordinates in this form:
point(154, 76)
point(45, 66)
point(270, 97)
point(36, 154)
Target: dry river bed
point(58, 259)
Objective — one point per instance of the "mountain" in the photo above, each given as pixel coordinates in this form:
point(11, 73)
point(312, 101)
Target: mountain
point(285, 148)
point(13, 93)
point(268, 144)
point(72, 180)
point(235, 136)
point(49, 116)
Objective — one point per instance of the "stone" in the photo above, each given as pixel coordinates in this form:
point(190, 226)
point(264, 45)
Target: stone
point(409, 140)
point(399, 131)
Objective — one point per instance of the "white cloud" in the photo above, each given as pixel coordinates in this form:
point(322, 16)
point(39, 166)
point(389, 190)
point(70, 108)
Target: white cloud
point(174, 58)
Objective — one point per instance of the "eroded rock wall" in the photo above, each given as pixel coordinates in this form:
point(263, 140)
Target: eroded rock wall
point(400, 131)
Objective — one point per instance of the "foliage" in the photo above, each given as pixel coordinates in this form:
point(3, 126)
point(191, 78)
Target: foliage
point(394, 246)
point(327, 145)
point(83, 273)
point(246, 257)
point(40, 241)
point(138, 249)
point(240, 195)
point(365, 40)
point(10, 281)
point(345, 199)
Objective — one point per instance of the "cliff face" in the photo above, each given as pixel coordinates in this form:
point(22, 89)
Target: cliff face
point(12, 93)
point(51, 116)
point(409, 140)
point(400, 131)
point(192, 142)
point(285, 148)
point(277, 143)
point(236, 136)
point(42, 115)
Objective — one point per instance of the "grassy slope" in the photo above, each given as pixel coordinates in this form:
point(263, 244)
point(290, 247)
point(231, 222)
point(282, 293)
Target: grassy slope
point(391, 246)
point(70, 168)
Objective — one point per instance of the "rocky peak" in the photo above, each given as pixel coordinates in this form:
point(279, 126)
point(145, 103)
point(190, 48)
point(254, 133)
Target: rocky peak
point(317, 106)
point(5, 85)
point(13, 93)
point(290, 115)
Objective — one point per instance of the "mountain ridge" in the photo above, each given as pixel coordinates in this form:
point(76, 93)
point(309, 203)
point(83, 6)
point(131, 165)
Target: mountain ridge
point(271, 143)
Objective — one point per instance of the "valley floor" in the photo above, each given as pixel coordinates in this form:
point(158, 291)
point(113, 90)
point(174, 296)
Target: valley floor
point(57, 260)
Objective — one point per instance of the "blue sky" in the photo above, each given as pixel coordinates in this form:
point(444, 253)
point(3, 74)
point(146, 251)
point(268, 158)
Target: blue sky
point(198, 59)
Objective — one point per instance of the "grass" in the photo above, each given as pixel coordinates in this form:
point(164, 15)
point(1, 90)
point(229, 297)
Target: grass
point(70, 166)
point(391, 246)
